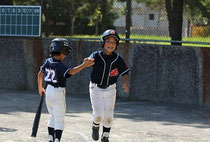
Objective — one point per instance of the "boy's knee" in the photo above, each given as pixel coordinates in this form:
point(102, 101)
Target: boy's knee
point(98, 119)
point(109, 120)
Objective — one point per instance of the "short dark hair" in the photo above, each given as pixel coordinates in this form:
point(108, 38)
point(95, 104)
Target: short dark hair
point(55, 54)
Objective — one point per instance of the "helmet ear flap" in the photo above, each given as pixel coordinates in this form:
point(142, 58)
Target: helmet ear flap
point(102, 42)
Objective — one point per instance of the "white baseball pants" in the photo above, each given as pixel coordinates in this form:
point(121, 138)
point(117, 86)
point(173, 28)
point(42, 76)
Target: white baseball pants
point(56, 106)
point(103, 103)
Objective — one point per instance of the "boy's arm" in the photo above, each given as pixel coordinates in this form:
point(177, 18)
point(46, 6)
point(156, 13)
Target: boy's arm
point(125, 84)
point(39, 80)
point(76, 69)
point(87, 62)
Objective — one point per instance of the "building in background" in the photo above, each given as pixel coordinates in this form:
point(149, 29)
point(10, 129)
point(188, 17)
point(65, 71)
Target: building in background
point(146, 21)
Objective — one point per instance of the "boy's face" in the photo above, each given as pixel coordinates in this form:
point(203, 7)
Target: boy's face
point(62, 56)
point(110, 44)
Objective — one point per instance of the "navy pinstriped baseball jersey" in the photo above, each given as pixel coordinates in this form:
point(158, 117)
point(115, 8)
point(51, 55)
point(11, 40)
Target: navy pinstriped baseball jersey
point(107, 68)
point(55, 72)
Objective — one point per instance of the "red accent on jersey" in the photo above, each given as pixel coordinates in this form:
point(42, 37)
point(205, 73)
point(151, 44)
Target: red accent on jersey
point(114, 72)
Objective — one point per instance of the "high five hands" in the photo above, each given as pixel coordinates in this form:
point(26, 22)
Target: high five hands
point(88, 62)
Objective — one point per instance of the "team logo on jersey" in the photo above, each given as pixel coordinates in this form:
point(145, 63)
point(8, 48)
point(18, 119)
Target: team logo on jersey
point(114, 72)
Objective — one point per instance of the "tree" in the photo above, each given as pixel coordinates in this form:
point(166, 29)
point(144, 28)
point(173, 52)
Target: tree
point(198, 11)
point(75, 16)
point(95, 19)
point(175, 17)
point(6, 2)
point(61, 17)
point(127, 11)
point(108, 15)
point(174, 9)
point(85, 17)
point(128, 19)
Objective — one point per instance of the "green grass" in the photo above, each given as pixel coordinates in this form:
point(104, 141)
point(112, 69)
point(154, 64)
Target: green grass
point(147, 39)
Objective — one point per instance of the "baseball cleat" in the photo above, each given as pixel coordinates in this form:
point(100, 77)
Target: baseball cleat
point(105, 139)
point(95, 133)
point(56, 140)
point(50, 139)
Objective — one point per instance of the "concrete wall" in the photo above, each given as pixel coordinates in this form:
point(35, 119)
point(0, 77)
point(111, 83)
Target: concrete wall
point(158, 73)
point(167, 74)
point(12, 64)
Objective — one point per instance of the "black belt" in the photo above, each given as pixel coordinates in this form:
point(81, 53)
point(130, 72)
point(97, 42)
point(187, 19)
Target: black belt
point(55, 85)
point(102, 86)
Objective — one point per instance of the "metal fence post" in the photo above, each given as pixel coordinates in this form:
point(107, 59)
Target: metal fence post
point(128, 20)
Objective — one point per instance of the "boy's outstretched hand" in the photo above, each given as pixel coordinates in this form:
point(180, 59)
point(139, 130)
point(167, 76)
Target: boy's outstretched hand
point(88, 62)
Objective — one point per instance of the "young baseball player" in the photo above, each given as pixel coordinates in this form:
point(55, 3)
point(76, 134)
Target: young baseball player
point(54, 73)
point(107, 68)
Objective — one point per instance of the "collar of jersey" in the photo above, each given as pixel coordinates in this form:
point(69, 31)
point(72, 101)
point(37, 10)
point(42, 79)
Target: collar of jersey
point(54, 60)
point(104, 54)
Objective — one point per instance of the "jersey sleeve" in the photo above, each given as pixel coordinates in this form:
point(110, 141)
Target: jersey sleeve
point(42, 68)
point(123, 68)
point(93, 55)
point(63, 69)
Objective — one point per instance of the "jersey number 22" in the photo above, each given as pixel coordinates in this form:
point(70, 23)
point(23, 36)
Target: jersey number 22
point(50, 77)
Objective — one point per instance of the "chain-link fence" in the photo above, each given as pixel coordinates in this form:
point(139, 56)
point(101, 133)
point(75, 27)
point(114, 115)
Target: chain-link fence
point(135, 20)
point(148, 21)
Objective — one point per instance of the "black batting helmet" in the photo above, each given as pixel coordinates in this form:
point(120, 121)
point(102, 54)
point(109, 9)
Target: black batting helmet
point(107, 33)
point(60, 45)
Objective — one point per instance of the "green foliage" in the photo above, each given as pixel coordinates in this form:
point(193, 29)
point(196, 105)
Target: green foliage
point(96, 17)
point(199, 11)
point(85, 14)
point(63, 15)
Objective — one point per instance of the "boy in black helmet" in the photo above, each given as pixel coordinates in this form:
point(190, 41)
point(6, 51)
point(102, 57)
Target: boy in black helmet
point(107, 68)
point(54, 73)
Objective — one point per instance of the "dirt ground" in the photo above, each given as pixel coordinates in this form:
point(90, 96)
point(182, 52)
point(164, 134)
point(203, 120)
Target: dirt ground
point(134, 121)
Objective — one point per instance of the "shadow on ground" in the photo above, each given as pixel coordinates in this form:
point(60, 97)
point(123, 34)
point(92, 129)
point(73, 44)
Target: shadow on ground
point(168, 114)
